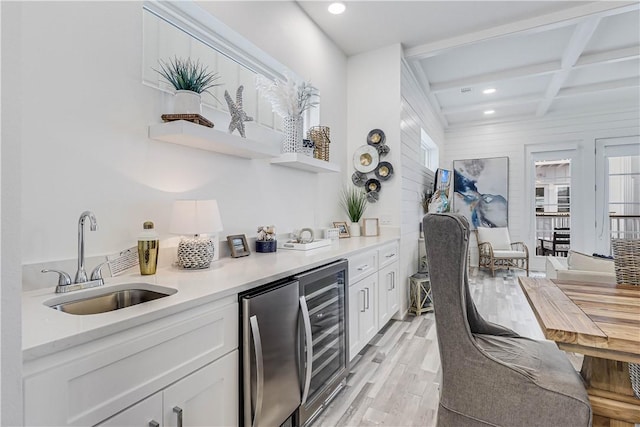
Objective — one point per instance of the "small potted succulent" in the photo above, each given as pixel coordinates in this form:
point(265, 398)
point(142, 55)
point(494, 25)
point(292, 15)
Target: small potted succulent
point(266, 239)
point(190, 79)
point(354, 202)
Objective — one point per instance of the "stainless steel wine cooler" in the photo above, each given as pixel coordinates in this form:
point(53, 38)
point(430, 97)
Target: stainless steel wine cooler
point(294, 347)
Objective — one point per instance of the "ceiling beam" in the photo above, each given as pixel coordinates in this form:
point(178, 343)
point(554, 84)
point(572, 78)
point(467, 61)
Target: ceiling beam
point(599, 87)
point(536, 24)
point(606, 57)
point(579, 39)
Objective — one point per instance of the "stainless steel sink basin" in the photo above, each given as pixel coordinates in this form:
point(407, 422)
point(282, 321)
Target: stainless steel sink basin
point(109, 299)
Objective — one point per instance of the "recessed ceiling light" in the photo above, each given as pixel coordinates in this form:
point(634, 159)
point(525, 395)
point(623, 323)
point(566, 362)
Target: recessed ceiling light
point(489, 112)
point(489, 91)
point(337, 8)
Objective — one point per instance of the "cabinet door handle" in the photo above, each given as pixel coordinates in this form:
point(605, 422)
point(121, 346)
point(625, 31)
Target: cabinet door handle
point(363, 267)
point(390, 255)
point(178, 411)
point(309, 347)
point(257, 346)
point(393, 280)
point(154, 423)
point(367, 307)
point(390, 275)
point(364, 300)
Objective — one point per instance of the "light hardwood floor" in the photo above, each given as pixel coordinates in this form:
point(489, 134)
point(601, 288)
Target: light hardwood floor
point(394, 380)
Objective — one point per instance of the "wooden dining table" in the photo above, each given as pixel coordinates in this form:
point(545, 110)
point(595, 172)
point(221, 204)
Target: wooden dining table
point(602, 322)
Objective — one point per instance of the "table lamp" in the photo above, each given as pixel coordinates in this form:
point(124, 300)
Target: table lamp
point(193, 218)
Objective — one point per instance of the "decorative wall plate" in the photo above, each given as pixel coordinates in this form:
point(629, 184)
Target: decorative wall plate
point(373, 196)
point(376, 137)
point(383, 149)
point(372, 185)
point(384, 171)
point(358, 179)
point(365, 158)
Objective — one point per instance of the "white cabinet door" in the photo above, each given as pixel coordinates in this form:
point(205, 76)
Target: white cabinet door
point(207, 397)
point(147, 413)
point(368, 317)
point(387, 293)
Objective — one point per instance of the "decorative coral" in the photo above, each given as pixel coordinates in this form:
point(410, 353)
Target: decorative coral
point(288, 98)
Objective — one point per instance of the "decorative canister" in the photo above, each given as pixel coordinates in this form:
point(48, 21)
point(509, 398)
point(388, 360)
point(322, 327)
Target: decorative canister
point(320, 137)
point(266, 245)
point(292, 126)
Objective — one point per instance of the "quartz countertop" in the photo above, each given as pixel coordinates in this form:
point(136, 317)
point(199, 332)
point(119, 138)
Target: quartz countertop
point(46, 331)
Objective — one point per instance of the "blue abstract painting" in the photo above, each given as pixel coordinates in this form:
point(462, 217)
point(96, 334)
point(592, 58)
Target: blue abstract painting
point(481, 191)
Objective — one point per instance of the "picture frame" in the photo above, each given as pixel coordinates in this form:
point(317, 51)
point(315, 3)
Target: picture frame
point(343, 229)
point(370, 227)
point(238, 245)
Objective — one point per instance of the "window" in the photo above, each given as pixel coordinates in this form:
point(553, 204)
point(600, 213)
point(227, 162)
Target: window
point(540, 199)
point(429, 151)
point(563, 198)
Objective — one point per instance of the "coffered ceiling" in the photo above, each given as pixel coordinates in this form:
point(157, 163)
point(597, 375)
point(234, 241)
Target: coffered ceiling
point(542, 58)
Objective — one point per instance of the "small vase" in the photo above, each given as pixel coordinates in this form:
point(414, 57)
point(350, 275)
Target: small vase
point(187, 102)
point(292, 126)
point(354, 229)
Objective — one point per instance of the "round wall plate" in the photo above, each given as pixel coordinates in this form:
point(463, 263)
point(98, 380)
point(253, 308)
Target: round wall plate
point(365, 158)
point(359, 178)
point(372, 185)
point(376, 137)
point(383, 149)
point(373, 196)
point(384, 171)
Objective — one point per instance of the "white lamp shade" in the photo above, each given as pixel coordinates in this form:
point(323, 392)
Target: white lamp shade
point(191, 217)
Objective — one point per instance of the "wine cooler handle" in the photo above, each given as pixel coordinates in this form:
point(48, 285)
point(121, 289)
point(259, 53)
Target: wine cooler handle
point(178, 411)
point(257, 345)
point(306, 319)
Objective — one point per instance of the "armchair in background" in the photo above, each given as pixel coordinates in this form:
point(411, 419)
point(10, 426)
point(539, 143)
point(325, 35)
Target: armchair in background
point(496, 251)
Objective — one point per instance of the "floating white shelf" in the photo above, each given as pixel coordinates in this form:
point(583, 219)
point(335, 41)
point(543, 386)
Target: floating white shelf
point(303, 162)
point(198, 136)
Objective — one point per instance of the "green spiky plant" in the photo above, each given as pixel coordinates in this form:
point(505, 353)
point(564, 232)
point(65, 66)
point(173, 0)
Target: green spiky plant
point(185, 74)
point(354, 201)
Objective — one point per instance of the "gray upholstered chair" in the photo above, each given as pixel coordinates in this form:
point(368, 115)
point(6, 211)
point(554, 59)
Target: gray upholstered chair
point(490, 374)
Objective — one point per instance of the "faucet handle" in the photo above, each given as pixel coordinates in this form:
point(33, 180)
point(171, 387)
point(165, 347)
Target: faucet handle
point(96, 274)
point(63, 278)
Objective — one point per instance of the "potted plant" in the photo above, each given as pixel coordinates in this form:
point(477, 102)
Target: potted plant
point(354, 202)
point(190, 79)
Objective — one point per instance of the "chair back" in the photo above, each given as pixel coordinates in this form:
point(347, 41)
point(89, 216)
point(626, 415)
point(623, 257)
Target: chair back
point(447, 243)
point(498, 237)
point(626, 259)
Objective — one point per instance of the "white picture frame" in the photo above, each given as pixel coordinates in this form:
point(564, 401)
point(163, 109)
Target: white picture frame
point(370, 227)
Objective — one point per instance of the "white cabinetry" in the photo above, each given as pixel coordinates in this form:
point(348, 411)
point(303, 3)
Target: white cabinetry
point(373, 294)
point(187, 359)
point(208, 397)
point(388, 273)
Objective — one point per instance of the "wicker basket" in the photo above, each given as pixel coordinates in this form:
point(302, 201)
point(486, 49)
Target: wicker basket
point(626, 258)
point(320, 136)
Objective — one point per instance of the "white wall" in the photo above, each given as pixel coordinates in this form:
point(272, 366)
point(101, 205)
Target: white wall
point(513, 139)
point(373, 88)
point(416, 115)
point(84, 131)
point(10, 282)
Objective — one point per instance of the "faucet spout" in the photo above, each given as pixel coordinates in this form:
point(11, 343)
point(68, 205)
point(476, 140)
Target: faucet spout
point(81, 274)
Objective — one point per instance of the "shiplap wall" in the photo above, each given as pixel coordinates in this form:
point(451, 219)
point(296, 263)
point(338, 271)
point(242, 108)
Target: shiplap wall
point(512, 139)
point(415, 114)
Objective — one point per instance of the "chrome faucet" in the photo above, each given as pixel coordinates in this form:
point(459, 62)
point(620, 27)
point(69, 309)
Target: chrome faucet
point(81, 274)
point(81, 281)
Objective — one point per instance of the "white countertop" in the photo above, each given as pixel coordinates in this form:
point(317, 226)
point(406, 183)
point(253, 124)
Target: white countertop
point(46, 331)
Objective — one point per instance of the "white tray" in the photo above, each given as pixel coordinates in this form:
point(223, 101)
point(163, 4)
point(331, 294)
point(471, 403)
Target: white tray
point(303, 246)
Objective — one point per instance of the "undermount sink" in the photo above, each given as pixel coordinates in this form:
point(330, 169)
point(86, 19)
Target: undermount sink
point(109, 299)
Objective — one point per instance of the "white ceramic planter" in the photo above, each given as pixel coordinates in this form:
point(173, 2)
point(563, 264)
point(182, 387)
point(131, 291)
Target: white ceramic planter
point(187, 102)
point(354, 229)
